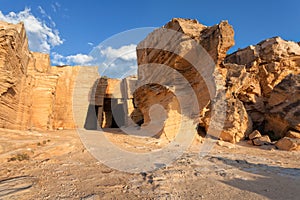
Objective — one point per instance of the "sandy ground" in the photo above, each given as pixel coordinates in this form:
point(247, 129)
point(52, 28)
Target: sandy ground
point(55, 165)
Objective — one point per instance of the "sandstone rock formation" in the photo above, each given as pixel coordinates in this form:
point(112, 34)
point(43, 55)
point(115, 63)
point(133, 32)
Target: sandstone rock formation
point(247, 78)
point(14, 57)
point(267, 64)
point(283, 107)
point(111, 103)
point(271, 90)
point(183, 67)
point(175, 46)
point(34, 95)
point(288, 144)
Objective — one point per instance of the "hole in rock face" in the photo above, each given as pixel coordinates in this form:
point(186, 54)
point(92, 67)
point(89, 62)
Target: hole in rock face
point(104, 110)
point(113, 113)
point(201, 130)
point(137, 116)
point(110, 115)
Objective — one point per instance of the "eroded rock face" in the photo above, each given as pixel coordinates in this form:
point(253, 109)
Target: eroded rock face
point(178, 52)
point(216, 40)
point(237, 124)
point(183, 67)
point(267, 64)
point(283, 107)
point(14, 57)
point(34, 95)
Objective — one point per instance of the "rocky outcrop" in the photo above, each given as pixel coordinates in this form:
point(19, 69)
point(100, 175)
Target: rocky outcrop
point(216, 40)
point(271, 92)
point(14, 58)
point(34, 95)
point(249, 79)
point(183, 67)
point(283, 107)
point(267, 64)
point(193, 52)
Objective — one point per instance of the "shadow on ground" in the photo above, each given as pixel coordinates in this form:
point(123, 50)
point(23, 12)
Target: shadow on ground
point(271, 181)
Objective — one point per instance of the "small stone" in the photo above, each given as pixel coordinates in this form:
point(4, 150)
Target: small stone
point(264, 140)
point(293, 134)
point(254, 134)
point(288, 144)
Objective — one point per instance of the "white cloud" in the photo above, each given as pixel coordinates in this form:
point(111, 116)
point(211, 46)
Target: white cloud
point(42, 11)
point(58, 59)
point(90, 43)
point(127, 53)
point(115, 62)
point(78, 59)
point(45, 15)
point(55, 6)
point(41, 37)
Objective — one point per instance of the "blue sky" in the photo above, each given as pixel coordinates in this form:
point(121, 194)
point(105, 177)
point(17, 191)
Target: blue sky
point(71, 29)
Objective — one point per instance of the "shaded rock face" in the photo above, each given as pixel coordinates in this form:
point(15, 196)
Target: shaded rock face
point(283, 107)
point(34, 95)
point(178, 53)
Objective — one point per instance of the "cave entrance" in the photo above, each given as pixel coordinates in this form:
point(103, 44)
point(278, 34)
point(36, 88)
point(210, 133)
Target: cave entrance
point(113, 115)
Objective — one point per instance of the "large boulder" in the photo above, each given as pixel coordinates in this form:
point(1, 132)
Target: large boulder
point(181, 55)
point(288, 144)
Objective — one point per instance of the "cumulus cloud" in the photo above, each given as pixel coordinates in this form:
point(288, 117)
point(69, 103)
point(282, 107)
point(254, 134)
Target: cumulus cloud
point(126, 53)
point(58, 59)
point(78, 59)
point(41, 37)
point(115, 62)
point(112, 62)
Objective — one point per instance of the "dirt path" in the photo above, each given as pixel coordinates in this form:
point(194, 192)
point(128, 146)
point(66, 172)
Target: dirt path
point(55, 165)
